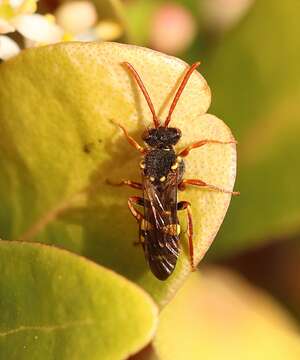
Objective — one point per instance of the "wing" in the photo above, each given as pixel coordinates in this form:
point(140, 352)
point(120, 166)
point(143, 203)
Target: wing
point(161, 227)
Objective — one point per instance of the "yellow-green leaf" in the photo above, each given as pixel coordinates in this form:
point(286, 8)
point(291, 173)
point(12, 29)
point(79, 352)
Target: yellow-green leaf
point(58, 147)
point(217, 315)
point(57, 305)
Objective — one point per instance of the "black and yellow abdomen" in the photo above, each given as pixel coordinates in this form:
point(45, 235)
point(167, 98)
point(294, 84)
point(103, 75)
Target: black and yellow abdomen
point(161, 247)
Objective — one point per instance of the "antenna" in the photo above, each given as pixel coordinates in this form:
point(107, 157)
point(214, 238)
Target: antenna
point(179, 92)
point(144, 91)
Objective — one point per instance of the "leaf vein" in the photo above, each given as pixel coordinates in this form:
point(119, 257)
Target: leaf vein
point(46, 328)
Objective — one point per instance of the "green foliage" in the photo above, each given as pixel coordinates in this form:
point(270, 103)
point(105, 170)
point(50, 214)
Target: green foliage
point(57, 305)
point(140, 13)
point(139, 17)
point(254, 74)
point(58, 146)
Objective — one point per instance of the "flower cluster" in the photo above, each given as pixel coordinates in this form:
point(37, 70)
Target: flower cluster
point(76, 20)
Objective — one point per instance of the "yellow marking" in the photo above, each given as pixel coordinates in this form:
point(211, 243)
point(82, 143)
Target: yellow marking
point(142, 165)
point(172, 229)
point(179, 159)
point(175, 166)
point(152, 178)
point(142, 238)
point(162, 179)
point(146, 225)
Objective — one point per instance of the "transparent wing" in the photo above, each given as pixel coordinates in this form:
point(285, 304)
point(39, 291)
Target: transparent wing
point(161, 226)
point(162, 201)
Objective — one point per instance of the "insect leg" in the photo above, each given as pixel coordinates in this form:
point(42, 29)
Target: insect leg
point(131, 140)
point(132, 184)
point(137, 200)
point(138, 216)
point(182, 205)
point(186, 150)
point(197, 182)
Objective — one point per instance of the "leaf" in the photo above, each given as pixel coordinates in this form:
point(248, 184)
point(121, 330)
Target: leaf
point(254, 74)
point(58, 147)
point(57, 305)
point(217, 315)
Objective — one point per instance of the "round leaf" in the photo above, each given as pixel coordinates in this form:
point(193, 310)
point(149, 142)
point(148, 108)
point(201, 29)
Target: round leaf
point(217, 315)
point(59, 147)
point(57, 305)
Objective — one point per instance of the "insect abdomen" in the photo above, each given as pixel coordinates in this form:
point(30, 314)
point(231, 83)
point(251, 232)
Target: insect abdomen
point(161, 249)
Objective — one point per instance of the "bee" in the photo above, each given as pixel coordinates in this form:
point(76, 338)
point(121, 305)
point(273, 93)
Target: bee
point(162, 171)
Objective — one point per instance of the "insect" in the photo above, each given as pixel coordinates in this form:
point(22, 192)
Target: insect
point(162, 171)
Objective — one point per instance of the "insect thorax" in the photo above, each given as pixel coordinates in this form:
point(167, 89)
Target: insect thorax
point(159, 163)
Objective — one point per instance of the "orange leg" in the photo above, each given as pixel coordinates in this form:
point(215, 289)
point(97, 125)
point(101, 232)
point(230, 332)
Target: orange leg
point(182, 205)
point(138, 201)
point(138, 216)
point(131, 140)
point(203, 184)
point(185, 151)
point(132, 184)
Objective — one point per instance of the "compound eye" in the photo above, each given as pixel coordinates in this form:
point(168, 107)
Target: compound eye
point(178, 133)
point(175, 135)
point(145, 135)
